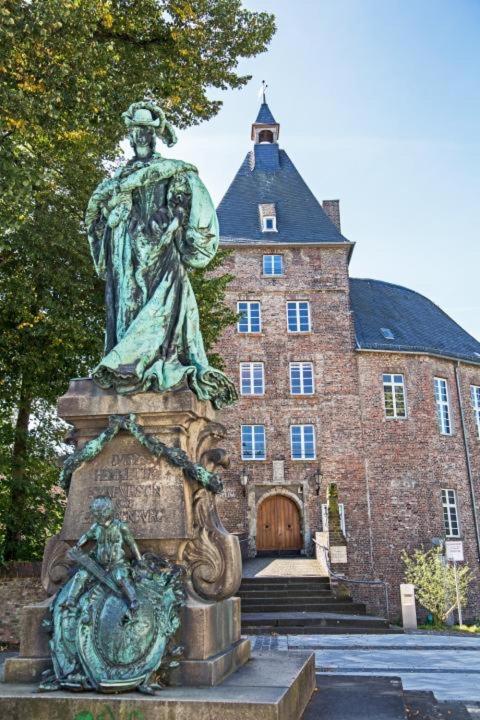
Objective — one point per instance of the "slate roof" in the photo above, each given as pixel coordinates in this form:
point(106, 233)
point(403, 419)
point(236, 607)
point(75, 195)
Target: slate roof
point(418, 325)
point(267, 175)
point(265, 116)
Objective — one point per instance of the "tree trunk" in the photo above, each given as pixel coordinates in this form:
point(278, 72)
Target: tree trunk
point(14, 518)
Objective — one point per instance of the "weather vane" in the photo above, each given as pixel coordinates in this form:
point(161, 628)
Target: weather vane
point(263, 90)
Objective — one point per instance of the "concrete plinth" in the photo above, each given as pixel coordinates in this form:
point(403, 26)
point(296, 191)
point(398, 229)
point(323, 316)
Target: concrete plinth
point(271, 687)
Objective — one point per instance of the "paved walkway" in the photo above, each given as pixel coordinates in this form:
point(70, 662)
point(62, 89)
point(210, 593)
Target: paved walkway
point(448, 665)
point(281, 567)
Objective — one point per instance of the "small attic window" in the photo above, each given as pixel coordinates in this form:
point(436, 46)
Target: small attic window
point(387, 334)
point(265, 136)
point(269, 224)
point(268, 217)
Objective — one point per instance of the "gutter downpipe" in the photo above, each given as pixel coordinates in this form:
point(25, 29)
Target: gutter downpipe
point(467, 457)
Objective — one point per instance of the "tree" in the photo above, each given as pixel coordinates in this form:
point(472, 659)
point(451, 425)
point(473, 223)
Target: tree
point(68, 69)
point(434, 581)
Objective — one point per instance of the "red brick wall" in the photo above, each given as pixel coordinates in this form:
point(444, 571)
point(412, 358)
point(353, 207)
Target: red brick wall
point(389, 472)
point(19, 585)
point(409, 461)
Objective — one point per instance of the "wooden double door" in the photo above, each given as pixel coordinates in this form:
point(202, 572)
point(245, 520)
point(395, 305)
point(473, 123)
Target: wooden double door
point(278, 525)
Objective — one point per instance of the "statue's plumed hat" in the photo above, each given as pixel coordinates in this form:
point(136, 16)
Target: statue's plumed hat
point(148, 113)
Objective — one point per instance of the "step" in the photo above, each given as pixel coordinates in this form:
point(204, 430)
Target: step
point(337, 606)
point(303, 588)
point(290, 598)
point(289, 580)
point(319, 630)
point(283, 594)
point(311, 618)
point(342, 697)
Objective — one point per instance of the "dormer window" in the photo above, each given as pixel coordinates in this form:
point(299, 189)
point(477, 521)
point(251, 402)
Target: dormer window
point(268, 217)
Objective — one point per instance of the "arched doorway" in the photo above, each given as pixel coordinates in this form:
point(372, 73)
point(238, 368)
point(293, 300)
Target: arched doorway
point(278, 525)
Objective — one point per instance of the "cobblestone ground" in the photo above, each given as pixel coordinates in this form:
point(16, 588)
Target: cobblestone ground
point(447, 665)
point(281, 567)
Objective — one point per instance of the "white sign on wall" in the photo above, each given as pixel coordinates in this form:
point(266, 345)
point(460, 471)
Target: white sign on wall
point(338, 554)
point(454, 550)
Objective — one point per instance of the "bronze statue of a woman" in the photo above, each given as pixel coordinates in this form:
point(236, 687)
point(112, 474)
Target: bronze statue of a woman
point(147, 226)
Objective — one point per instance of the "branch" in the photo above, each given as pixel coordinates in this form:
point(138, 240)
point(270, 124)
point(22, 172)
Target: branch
point(130, 39)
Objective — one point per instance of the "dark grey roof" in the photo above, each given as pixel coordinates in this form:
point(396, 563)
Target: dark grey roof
point(418, 325)
point(265, 116)
point(267, 175)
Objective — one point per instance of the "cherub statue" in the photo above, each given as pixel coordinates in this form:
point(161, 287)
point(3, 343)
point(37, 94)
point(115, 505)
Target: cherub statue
point(111, 538)
point(113, 622)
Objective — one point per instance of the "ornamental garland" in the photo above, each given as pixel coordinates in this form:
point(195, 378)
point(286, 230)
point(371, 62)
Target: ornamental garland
point(173, 455)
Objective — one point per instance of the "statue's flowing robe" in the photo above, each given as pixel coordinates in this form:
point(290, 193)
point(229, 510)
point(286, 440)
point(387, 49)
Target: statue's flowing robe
point(147, 225)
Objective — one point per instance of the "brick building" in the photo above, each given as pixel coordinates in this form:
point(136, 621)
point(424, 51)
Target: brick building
point(358, 382)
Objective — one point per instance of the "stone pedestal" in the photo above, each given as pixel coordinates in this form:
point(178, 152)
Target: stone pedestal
point(271, 687)
point(169, 515)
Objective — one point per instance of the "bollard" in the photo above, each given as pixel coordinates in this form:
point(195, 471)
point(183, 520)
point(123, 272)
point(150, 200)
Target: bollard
point(409, 612)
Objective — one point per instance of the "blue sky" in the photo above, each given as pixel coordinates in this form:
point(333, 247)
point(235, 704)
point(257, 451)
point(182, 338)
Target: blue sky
point(379, 105)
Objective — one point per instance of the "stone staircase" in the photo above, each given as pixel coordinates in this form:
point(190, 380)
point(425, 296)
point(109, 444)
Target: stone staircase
point(302, 606)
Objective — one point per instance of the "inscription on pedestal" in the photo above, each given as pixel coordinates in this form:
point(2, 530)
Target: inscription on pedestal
point(148, 493)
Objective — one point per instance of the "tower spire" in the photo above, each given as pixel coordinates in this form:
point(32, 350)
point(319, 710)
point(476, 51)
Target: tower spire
point(265, 129)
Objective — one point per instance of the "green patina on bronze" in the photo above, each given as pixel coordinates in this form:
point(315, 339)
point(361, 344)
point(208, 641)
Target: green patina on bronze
point(113, 622)
point(148, 225)
point(175, 456)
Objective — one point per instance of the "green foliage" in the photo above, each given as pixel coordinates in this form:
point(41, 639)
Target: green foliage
point(68, 69)
point(40, 512)
point(214, 314)
point(434, 582)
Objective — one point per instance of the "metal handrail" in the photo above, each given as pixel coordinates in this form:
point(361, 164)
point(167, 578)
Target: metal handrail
point(337, 576)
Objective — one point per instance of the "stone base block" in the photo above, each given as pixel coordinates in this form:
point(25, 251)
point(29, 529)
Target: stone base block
point(25, 670)
point(214, 669)
point(209, 628)
point(274, 686)
point(33, 636)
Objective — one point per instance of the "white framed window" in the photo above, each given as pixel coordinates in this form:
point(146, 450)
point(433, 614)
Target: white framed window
point(450, 513)
point(253, 442)
point(269, 223)
point(443, 406)
point(250, 320)
point(394, 396)
point(341, 509)
point(301, 378)
point(273, 264)
point(475, 395)
point(252, 378)
point(298, 316)
point(302, 442)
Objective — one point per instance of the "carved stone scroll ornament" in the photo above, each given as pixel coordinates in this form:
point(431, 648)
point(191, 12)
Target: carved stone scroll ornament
point(213, 556)
point(57, 567)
